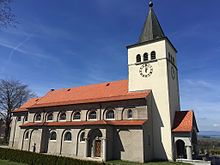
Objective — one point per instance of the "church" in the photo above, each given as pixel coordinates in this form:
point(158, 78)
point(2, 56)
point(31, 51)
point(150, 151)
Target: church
point(137, 119)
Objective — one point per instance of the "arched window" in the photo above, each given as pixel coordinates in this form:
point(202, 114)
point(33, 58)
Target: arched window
point(110, 114)
point(82, 137)
point(92, 115)
point(76, 116)
point(19, 118)
point(25, 118)
point(53, 136)
point(63, 116)
point(50, 116)
point(153, 55)
point(169, 56)
point(130, 115)
point(145, 56)
point(38, 117)
point(26, 135)
point(67, 136)
point(138, 58)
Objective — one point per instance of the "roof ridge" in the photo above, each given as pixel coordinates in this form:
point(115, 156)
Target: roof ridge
point(87, 85)
point(186, 111)
point(129, 94)
point(103, 92)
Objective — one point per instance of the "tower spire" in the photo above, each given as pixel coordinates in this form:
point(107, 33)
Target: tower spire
point(152, 29)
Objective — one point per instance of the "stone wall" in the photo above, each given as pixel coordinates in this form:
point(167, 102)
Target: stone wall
point(132, 143)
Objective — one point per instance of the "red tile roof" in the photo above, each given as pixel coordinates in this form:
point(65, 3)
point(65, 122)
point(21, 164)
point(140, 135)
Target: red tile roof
point(110, 91)
point(184, 121)
point(29, 103)
point(83, 123)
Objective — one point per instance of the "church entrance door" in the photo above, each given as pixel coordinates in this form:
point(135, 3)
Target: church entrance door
point(180, 145)
point(98, 148)
point(94, 143)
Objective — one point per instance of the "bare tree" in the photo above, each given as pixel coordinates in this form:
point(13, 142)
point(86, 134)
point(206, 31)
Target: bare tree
point(12, 95)
point(7, 18)
point(1, 116)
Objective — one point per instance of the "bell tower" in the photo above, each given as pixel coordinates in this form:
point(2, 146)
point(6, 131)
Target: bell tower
point(152, 66)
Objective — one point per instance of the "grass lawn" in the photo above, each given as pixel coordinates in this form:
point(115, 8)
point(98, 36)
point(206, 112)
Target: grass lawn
point(119, 162)
point(6, 162)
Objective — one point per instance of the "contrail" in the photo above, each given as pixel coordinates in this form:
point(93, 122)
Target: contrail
point(13, 50)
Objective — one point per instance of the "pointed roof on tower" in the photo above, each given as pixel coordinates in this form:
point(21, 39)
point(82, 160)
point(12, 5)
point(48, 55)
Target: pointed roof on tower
point(152, 29)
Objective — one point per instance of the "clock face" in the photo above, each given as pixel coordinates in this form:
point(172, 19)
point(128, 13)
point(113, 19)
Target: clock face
point(173, 73)
point(146, 70)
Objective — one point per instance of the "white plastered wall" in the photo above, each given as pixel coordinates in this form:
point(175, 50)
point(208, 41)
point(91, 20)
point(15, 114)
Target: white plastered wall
point(12, 133)
point(16, 133)
point(159, 84)
point(128, 142)
point(173, 82)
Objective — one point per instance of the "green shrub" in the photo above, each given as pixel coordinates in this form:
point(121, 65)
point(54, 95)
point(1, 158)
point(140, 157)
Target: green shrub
point(215, 152)
point(3, 142)
point(41, 159)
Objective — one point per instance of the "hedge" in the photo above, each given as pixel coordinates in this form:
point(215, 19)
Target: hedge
point(3, 142)
point(32, 158)
point(215, 152)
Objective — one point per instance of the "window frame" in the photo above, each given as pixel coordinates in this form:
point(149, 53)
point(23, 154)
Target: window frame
point(49, 114)
point(128, 115)
point(51, 133)
point(153, 55)
point(145, 56)
point(138, 58)
point(26, 136)
point(36, 119)
point(61, 115)
point(19, 118)
point(76, 113)
point(107, 113)
point(91, 113)
point(173, 60)
point(26, 118)
point(82, 139)
point(65, 138)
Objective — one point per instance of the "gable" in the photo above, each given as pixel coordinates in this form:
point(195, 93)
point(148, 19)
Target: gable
point(29, 103)
point(184, 121)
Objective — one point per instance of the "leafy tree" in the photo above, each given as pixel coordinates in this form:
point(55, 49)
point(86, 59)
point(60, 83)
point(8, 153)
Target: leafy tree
point(13, 94)
point(7, 18)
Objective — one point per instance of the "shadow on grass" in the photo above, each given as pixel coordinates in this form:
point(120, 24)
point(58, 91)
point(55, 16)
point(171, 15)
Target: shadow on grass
point(119, 162)
point(6, 162)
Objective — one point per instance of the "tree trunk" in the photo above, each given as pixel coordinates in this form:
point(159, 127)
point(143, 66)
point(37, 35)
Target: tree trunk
point(7, 130)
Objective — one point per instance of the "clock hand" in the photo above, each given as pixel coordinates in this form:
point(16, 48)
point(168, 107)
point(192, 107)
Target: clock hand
point(146, 69)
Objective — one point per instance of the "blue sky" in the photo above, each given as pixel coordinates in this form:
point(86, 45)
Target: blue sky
point(60, 44)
